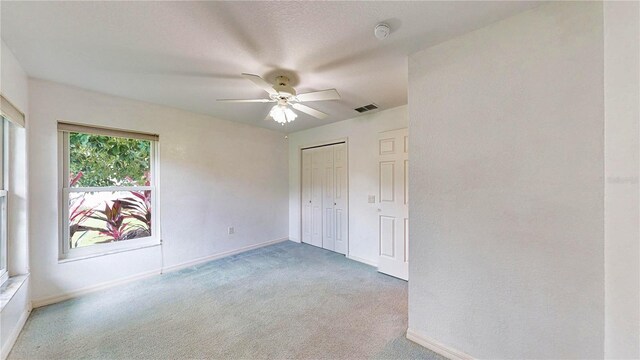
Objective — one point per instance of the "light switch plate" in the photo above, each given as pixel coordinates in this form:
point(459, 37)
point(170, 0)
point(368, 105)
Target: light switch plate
point(372, 199)
point(231, 230)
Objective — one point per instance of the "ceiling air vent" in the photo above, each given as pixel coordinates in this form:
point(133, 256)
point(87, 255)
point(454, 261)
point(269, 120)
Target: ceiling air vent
point(366, 108)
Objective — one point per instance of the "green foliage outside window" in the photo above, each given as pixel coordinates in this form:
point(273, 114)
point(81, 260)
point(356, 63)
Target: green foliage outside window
point(108, 161)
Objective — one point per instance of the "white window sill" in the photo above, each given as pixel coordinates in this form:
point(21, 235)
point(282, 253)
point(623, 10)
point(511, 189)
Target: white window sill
point(10, 287)
point(64, 258)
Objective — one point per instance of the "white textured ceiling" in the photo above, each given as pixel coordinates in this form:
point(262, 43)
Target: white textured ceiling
point(187, 54)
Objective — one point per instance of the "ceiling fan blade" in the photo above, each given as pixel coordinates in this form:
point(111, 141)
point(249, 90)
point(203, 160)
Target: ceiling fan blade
point(246, 100)
point(329, 94)
point(261, 83)
point(311, 111)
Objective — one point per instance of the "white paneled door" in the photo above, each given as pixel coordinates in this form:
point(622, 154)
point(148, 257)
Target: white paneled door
point(393, 203)
point(324, 197)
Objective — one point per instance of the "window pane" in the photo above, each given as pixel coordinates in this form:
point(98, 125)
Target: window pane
point(96, 160)
point(99, 217)
point(3, 199)
point(3, 233)
point(3, 156)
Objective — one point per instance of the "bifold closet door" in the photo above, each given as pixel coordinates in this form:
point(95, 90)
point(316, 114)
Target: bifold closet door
point(324, 197)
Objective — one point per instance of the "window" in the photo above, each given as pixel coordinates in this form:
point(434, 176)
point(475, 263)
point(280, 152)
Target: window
point(109, 190)
point(9, 116)
point(4, 150)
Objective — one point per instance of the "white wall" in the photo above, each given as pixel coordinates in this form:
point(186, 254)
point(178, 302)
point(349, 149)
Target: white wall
point(13, 79)
point(622, 114)
point(13, 85)
point(214, 174)
point(362, 133)
point(506, 142)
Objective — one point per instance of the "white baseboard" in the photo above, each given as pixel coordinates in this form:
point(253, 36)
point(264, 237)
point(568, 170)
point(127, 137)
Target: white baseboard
point(362, 260)
point(109, 284)
point(208, 258)
point(6, 349)
point(437, 346)
point(90, 289)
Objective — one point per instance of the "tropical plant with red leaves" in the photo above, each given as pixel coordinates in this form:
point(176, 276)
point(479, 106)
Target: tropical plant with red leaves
point(139, 207)
point(116, 228)
point(115, 216)
point(73, 179)
point(77, 213)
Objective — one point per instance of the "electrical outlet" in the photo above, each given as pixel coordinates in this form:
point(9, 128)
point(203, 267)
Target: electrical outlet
point(231, 230)
point(372, 199)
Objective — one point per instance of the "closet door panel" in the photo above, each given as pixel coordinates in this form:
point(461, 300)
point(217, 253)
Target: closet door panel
point(306, 197)
point(317, 175)
point(340, 197)
point(328, 237)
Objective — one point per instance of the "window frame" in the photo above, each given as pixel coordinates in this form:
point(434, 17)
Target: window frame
point(4, 199)
point(67, 253)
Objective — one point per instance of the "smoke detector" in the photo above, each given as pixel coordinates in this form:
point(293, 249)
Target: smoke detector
point(381, 31)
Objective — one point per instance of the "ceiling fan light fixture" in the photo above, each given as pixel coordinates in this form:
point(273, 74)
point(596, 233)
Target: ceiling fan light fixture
point(290, 115)
point(282, 114)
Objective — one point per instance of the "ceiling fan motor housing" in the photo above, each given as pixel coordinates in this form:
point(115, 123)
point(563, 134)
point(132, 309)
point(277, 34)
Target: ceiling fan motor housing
point(283, 88)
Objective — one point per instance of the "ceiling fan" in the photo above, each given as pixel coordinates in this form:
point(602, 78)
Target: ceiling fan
point(285, 95)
